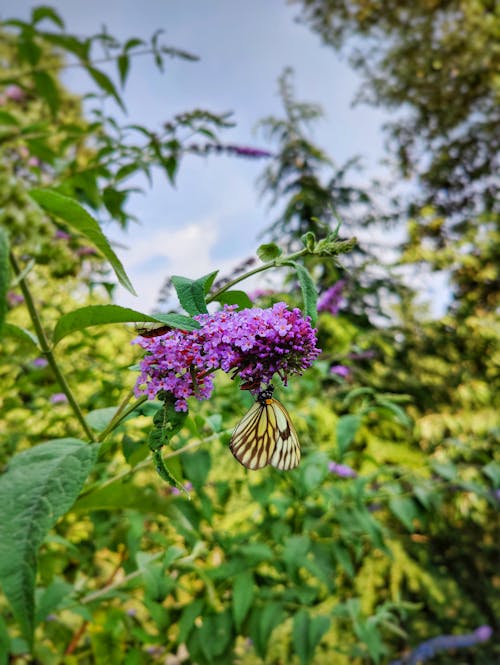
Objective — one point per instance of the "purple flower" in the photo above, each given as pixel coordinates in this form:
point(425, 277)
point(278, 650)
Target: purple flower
point(341, 470)
point(15, 93)
point(14, 298)
point(86, 251)
point(259, 293)
point(58, 398)
point(483, 633)
point(247, 152)
point(331, 299)
point(40, 362)
point(34, 162)
point(253, 343)
point(340, 370)
point(175, 491)
point(61, 235)
point(362, 355)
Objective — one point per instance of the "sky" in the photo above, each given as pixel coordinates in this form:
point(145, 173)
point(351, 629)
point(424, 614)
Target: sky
point(213, 216)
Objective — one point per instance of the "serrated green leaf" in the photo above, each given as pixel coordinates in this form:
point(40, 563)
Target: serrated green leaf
point(347, 428)
point(309, 293)
point(269, 251)
point(95, 315)
point(79, 219)
point(191, 293)
point(39, 486)
point(47, 89)
point(11, 330)
point(239, 298)
point(4, 275)
point(243, 591)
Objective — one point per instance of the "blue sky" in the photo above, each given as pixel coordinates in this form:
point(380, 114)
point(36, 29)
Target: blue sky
point(212, 218)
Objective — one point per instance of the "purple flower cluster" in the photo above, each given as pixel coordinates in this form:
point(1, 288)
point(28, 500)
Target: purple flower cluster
point(341, 470)
point(252, 343)
point(331, 299)
point(340, 370)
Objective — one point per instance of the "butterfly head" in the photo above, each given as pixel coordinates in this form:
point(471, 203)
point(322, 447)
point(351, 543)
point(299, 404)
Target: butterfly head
point(265, 395)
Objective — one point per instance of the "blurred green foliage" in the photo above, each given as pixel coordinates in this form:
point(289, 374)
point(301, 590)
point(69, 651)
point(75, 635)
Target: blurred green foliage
point(384, 536)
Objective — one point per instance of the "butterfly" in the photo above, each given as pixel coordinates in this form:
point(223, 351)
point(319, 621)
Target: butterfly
point(266, 435)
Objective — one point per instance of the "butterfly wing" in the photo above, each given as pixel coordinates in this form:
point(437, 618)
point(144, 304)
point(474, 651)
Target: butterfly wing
point(265, 436)
point(253, 441)
point(286, 454)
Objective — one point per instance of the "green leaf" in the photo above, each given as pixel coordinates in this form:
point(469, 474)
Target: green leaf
point(399, 414)
point(4, 643)
point(4, 275)
point(186, 622)
point(191, 293)
point(239, 298)
point(300, 634)
point(22, 334)
point(42, 12)
point(270, 616)
point(405, 510)
point(79, 219)
point(106, 85)
point(123, 63)
point(8, 119)
point(196, 467)
point(95, 315)
point(178, 321)
point(347, 427)
point(121, 495)
point(50, 598)
point(39, 486)
point(269, 251)
point(492, 470)
point(243, 591)
point(47, 89)
point(99, 419)
point(309, 293)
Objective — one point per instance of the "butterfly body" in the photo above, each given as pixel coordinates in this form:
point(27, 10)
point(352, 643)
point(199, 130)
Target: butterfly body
point(265, 436)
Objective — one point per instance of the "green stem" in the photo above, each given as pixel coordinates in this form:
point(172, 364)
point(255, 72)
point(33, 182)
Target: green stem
point(275, 263)
point(47, 349)
point(120, 414)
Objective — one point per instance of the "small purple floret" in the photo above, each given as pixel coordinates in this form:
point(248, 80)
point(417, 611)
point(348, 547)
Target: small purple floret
point(58, 398)
point(340, 370)
point(331, 299)
point(341, 470)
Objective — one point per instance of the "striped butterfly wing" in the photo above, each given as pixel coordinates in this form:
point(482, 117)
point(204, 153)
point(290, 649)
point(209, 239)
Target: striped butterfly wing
point(265, 436)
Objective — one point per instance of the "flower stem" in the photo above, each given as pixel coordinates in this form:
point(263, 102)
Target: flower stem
point(275, 263)
point(46, 347)
point(121, 413)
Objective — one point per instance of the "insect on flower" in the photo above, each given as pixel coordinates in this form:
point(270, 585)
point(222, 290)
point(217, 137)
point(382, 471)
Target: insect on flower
point(266, 435)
